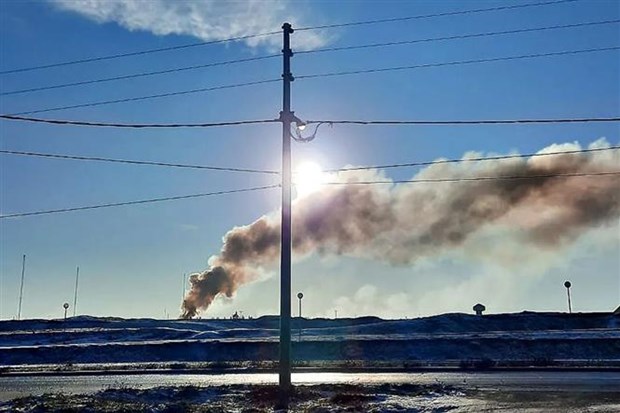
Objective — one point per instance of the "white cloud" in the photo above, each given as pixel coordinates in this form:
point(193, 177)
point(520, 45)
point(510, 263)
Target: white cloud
point(203, 19)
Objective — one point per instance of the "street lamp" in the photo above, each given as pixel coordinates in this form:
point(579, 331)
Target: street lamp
point(567, 284)
point(300, 296)
point(301, 126)
point(66, 307)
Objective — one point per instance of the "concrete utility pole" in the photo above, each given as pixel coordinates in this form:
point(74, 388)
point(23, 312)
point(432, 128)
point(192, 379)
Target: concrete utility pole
point(286, 117)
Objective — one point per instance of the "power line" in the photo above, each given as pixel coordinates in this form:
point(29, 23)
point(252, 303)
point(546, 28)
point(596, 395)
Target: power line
point(161, 95)
point(433, 15)
point(480, 159)
point(137, 75)
point(135, 162)
point(476, 178)
point(319, 75)
point(465, 122)
point(330, 49)
point(457, 37)
point(239, 38)
point(136, 53)
point(136, 125)
point(457, 62)
point(333, 121)
point(143, 201)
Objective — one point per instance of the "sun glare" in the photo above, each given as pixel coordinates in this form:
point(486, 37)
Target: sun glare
point(308, 178)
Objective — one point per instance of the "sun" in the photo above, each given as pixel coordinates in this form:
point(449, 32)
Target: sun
point(308, 178)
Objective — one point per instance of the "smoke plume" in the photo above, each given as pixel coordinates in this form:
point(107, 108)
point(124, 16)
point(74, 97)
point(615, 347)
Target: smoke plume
point(402, 222)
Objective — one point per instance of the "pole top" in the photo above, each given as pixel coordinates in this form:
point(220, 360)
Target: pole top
point(288, 28)
point(567, 284)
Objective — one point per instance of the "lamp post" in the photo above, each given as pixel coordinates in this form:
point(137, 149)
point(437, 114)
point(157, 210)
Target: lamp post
point(66, 307)
point(567, 284)
point(300, 296)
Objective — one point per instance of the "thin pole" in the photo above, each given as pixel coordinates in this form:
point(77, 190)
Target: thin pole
point(285, 248)
point(568, 284)
point(77, 277)
point(300, 318)
point(183, 293)
point(21, 288)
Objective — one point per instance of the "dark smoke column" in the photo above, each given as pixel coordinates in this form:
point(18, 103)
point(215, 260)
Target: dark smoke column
point(382, 222)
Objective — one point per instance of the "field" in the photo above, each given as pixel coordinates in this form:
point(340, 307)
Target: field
point(530, 362)
point(449, 340)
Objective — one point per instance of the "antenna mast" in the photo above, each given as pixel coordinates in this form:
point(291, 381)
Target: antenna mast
point(21, 288)
point(77, 277)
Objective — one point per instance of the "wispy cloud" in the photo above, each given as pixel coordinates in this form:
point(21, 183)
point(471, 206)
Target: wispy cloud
point(203, 19)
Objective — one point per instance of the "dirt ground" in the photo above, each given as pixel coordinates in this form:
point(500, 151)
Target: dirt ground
point(317, 399)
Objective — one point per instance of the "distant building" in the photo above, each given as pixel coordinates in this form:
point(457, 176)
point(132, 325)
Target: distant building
point(479, 308)
point(235, 316)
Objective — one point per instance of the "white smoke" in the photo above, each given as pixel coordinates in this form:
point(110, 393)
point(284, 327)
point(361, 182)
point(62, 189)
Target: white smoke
point(204, 19)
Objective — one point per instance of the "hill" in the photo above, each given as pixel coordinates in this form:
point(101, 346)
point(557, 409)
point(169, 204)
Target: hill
point(526, 338)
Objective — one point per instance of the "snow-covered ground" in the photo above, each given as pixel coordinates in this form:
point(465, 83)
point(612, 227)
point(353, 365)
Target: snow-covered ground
point(452, 339)
point(100, 346)
point(436, 398)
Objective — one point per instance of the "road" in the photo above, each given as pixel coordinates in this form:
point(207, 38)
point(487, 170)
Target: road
point(595, 382)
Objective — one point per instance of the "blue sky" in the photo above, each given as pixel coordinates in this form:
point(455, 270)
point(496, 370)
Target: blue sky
point(132, 258)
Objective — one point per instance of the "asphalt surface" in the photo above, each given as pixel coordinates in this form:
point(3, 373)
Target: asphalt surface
point(582, 382)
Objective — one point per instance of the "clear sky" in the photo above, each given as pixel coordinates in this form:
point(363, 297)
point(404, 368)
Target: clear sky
point(133, 258)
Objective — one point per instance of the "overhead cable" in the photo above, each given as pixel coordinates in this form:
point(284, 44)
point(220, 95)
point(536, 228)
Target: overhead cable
point(389, 182)
point(476, 178)
point(433, 15)
point(477, 159)
point(137, 75)
point(320, 75)
point(457, 37)
point(332, 121)
point(136, 125)
point(465, 122)
point(138, 98)
point(455, 63)
point(135, 162)
point(143, 201)
point(137, 53)
point(239, 38)
point(329, 49)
